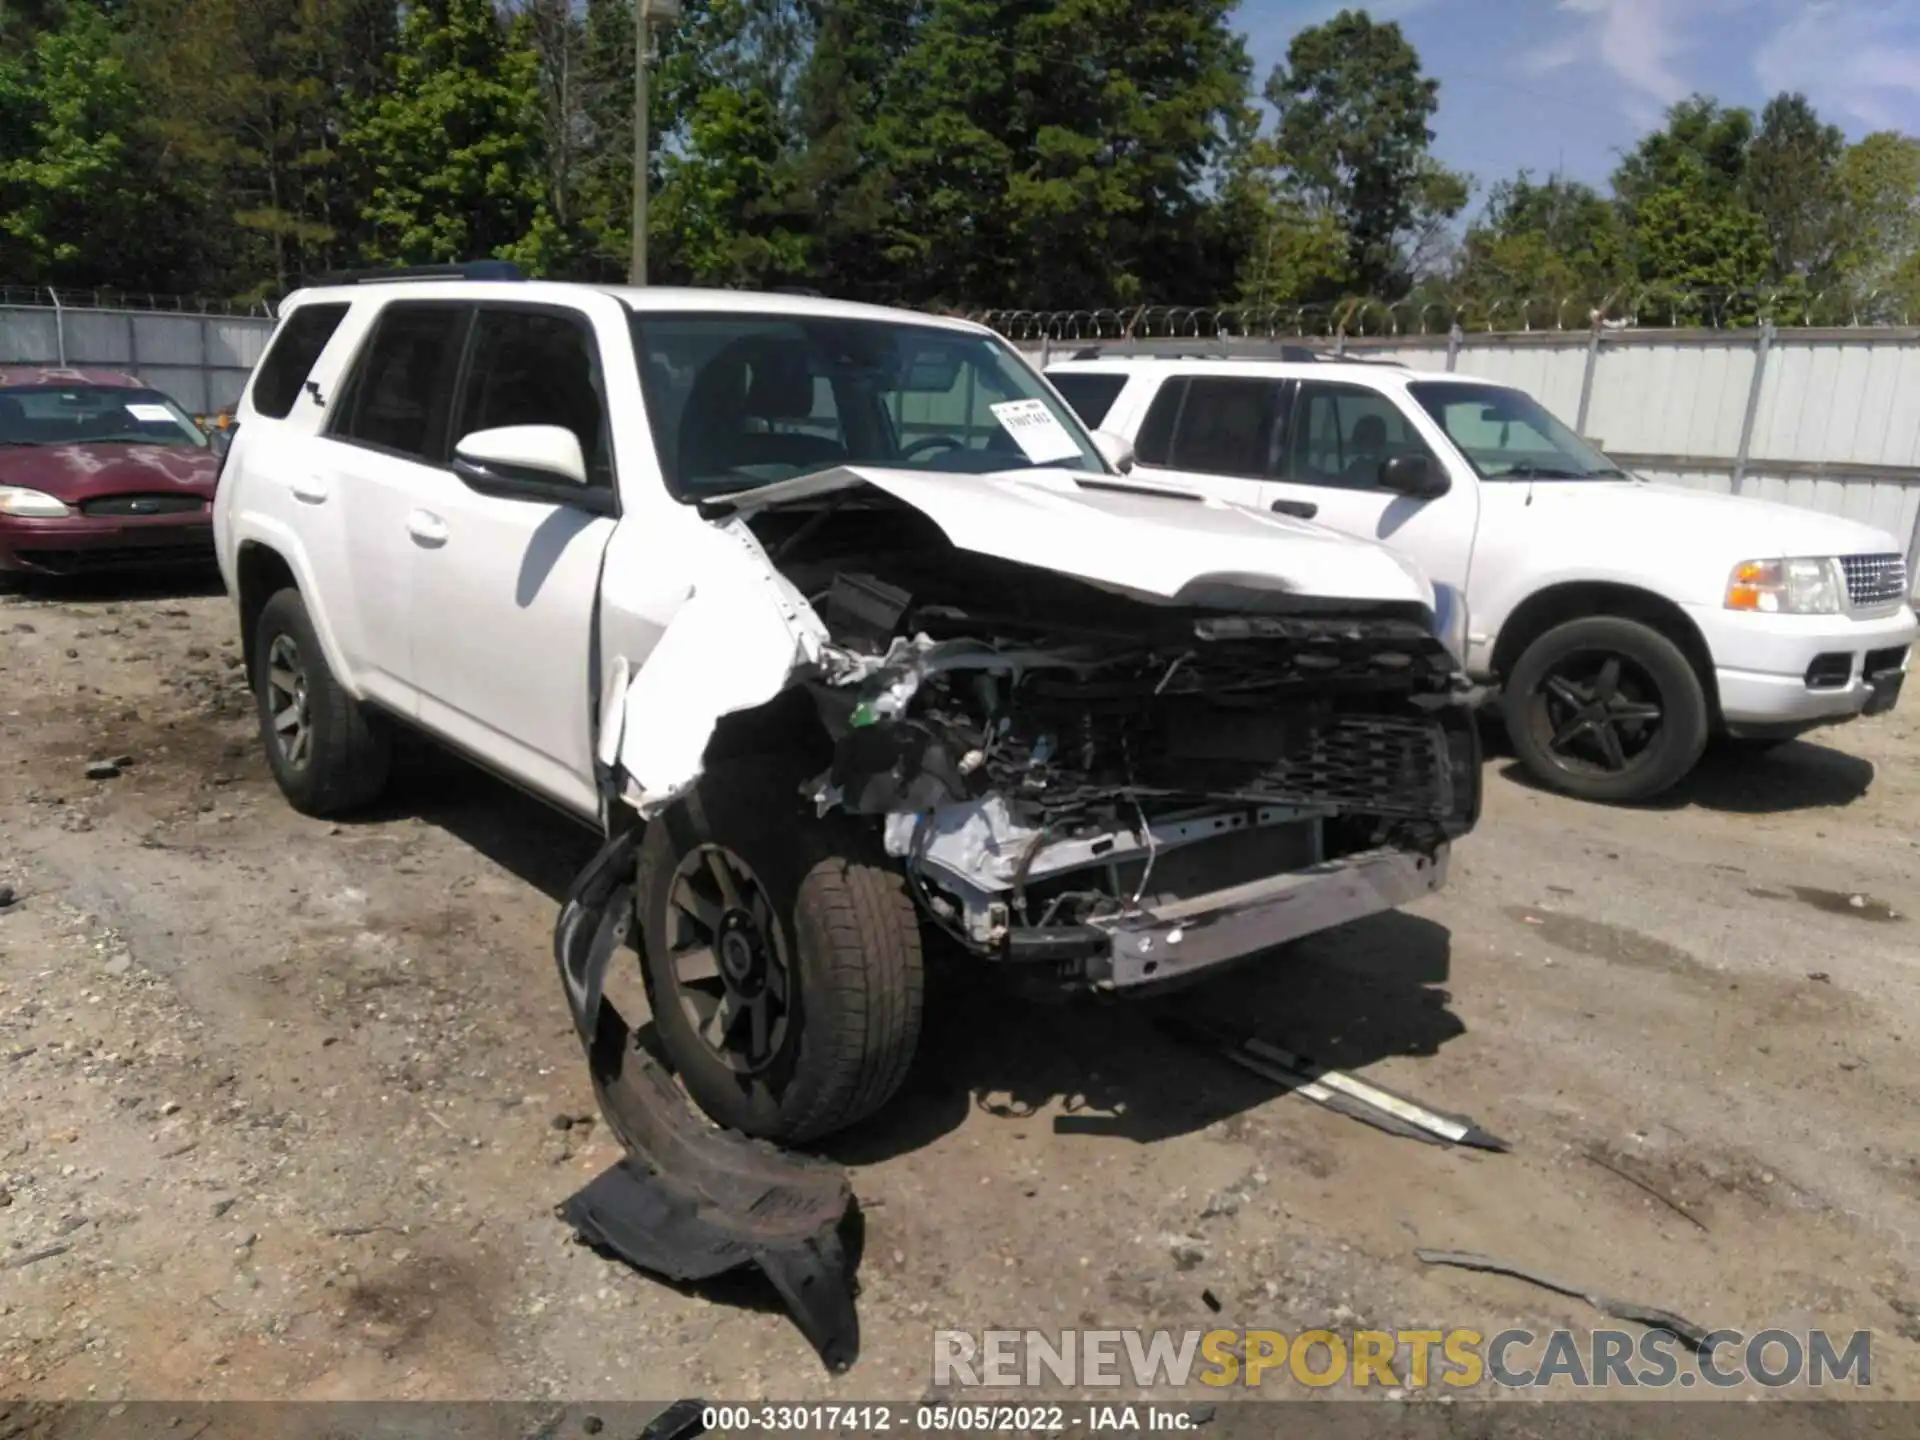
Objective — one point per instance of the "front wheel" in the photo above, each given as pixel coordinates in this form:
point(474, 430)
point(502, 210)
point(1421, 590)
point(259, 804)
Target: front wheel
point(782, 956)
point(1606, 709)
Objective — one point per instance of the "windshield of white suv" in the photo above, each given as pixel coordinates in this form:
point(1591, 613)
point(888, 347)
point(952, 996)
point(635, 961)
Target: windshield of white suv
point(1508, 435)
point(93, 415)
point(738, 401)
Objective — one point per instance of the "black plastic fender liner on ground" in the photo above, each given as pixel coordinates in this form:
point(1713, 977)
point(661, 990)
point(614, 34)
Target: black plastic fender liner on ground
point(690, 1201)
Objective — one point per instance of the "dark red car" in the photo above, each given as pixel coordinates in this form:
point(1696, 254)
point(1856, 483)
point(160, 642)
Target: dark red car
point(99, 471)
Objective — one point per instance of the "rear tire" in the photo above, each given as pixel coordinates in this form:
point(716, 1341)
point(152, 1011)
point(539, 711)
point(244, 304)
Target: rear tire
point(328, 752)
point(787, 993)
point(1606, 709)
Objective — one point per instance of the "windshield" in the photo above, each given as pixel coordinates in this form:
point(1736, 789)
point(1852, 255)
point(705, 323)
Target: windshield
point(93, 415)
point(738, 401)
point(1508, 435)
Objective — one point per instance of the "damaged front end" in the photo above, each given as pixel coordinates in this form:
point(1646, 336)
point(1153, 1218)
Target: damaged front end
point(1118, 788)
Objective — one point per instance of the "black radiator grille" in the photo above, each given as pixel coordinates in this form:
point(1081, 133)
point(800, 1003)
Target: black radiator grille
point(139, 506)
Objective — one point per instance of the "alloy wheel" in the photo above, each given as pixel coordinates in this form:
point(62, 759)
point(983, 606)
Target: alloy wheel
point(288, 701)
point(729, 958)
point(1599, 712)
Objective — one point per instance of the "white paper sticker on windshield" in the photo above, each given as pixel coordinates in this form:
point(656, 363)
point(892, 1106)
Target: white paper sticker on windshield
point(151, 414)
point(1040, 437)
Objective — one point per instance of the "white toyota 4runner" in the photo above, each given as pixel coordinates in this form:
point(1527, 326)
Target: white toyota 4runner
point(1628, 622)
point(843, 612)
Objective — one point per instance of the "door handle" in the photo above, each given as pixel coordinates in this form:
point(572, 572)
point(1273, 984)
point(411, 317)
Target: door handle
point(1299, 509)
point(310, 490)
point(426, 527)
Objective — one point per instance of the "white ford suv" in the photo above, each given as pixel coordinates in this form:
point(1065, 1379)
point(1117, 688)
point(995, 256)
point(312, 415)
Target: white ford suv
point(839, 622)
point(1627, 622)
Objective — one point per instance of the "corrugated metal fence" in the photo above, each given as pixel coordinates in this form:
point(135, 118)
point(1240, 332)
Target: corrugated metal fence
point(200, 359)
point(1827, 419)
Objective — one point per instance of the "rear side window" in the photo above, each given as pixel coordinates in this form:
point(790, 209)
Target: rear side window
point(537, 367)
point(1091, 396)
point(398, 395)
point(289, 360)
point(1231, 427)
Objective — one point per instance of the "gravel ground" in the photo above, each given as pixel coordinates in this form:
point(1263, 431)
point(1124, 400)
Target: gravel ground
point(285, 1106)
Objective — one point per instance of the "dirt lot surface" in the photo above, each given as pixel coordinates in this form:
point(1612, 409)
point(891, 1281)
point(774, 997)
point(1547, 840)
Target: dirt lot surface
point(285, 1106)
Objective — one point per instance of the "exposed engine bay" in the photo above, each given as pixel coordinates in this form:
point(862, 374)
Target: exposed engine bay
point(1053, 761)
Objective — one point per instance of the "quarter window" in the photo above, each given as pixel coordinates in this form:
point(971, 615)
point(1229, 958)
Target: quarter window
point(290, 359)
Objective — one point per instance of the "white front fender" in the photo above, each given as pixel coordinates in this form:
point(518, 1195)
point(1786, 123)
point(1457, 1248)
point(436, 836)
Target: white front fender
point(740, 638)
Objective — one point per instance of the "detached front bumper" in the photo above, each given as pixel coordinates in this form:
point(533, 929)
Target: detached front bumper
point(1176, 940)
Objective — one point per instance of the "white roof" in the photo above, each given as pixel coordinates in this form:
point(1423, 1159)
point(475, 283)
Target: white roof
point(640, 298)
point(1258, 369)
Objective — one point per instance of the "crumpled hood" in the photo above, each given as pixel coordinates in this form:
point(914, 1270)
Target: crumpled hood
point(1123, 533)
point(74, 473)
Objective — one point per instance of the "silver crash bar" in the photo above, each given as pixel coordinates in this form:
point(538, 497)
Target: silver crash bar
point(1150, 947)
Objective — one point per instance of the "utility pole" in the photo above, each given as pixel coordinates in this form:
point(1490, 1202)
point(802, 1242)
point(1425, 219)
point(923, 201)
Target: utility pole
point(646, 15)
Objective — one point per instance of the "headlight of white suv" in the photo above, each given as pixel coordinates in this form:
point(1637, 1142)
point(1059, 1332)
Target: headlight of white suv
point(1788, 587)
point(32, 504)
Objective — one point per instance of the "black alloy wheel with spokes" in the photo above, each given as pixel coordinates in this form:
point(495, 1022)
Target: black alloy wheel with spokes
point(1606, 708)
point(732, 970)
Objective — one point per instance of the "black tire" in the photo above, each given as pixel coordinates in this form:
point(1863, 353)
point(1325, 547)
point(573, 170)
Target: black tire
point(347, 751)
point(1591, 679)
point(831, 1042)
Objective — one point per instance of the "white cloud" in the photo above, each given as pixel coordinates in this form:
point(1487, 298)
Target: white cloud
point(1855, 58)
point(1638, 41)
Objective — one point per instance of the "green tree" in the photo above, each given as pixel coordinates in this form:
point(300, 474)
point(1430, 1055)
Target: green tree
point(1693, 234)
point(243, 93)
point(1879, 260)
point(81, 202)
point(1793, 184)
point(993, 154)
point(1545, 241)
point(1702, 147)
point(1354, 143)
point(450, 155)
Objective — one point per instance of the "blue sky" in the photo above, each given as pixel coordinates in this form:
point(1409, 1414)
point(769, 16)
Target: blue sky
point(1567, 84)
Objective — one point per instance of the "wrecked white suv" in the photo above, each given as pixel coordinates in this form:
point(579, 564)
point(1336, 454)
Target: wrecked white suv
point(842, 612)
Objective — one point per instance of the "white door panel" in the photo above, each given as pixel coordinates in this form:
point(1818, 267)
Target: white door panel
point(372, 491)
point(503, 631)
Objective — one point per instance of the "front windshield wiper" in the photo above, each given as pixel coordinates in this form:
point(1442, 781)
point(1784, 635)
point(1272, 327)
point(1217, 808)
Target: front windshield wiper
point(1527, 470)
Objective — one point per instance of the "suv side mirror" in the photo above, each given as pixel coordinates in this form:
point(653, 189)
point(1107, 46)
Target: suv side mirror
point(1414, 475)
point(542, 463)
point(1116, 450)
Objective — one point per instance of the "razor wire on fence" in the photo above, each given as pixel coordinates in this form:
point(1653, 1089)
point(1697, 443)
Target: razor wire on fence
point(1649, 307)
point(31, 297)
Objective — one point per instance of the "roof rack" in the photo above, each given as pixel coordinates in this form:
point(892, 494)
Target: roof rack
point(464, 270)
point(1226, 349)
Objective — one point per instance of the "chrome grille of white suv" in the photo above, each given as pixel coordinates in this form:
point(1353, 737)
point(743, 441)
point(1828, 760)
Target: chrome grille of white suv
point(1875, 579)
